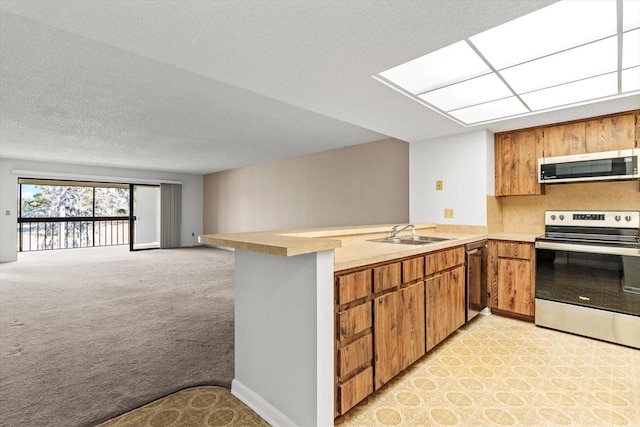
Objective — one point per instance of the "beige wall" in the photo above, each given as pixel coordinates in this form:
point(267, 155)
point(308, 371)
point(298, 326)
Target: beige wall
point(526, 213)
point(361, 184)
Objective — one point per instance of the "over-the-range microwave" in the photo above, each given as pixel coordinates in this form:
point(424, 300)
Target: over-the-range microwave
point(608, 165)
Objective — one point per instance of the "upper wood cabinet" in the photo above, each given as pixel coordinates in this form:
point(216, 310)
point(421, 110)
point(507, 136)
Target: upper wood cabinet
point(611, 133)
point(517, 152)
point(516, 162)
point(563, 140)
point(591, 136)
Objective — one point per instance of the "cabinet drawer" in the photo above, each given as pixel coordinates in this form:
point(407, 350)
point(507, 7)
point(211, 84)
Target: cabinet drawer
point(351, 287)
point(518, 250)
point(357, 388)
point(355, 355)
point(412, 269)
point(353, 321)
point(386, 277)
point(443, 260)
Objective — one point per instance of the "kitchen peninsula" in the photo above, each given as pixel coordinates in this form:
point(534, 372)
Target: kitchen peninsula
point(284, 311)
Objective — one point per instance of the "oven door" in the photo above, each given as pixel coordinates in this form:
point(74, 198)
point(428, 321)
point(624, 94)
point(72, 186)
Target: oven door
point(591, 290)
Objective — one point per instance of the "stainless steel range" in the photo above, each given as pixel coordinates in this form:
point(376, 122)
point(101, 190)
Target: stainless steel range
point(588, 274)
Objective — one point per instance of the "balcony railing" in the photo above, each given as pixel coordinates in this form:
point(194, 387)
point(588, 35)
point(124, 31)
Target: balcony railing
point(39, 234)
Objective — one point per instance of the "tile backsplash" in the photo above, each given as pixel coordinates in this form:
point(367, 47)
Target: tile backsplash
point(526, 213)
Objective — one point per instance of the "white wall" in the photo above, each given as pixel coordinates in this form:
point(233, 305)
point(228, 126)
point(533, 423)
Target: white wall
point(191, 194)
point(464, 163)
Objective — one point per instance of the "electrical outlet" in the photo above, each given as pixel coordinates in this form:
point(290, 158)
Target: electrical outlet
point(193, 234)
point(7, 212)
point(448, 213)
point(439, 185)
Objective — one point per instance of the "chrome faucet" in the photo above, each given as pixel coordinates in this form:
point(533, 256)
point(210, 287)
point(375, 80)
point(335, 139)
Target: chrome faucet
point(395, 230)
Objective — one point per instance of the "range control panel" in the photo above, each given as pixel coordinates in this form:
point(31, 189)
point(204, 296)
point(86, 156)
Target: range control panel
point(616, 219)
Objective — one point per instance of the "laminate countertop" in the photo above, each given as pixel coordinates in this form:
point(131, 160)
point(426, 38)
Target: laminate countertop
point(351, 245)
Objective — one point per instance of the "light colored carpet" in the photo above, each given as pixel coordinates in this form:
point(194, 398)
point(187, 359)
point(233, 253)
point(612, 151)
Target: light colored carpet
point(88, 334)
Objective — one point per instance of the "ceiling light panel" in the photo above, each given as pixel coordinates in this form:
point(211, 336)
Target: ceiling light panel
point(631, 48)
point(631, 79)
point(470, 92)
point(631, 11)
point(448, 65)
point(571, 93)
point(490, 111)
point(562, 25)
point(574, 64)
point(564, 54)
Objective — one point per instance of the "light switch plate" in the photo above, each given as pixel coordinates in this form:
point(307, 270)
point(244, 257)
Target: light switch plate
point(448, 213)
point(439, 185)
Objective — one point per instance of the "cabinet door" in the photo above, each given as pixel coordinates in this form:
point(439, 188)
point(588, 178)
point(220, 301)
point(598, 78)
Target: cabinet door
point(386, 326)
point(445, 303)
point(526, 148)
point(516, 162)
point(515, 290)
point(562, 140)
point(611, 133)
point(412, 331)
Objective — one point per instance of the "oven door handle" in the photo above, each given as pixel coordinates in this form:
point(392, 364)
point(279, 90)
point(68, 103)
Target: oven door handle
point(593, 249)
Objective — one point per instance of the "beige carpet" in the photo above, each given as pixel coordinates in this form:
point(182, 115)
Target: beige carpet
point(88, 334)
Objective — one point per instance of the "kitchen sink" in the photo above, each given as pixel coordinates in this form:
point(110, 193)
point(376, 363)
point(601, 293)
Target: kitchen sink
point(411, 240)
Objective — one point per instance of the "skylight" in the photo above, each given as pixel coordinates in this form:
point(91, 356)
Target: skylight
point(572, 52)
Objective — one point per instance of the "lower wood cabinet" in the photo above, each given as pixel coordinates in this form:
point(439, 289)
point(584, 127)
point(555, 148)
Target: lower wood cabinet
point(352, 391)
point(445, 305)
point(412, 329)
point(511, 271)
point(399, 331)
point(386, 312)
point(385, 315)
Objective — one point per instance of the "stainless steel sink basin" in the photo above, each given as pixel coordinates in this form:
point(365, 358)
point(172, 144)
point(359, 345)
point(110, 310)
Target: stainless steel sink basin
point(411, 240)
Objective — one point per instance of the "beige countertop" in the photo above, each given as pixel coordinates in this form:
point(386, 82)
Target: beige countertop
point(350, 244)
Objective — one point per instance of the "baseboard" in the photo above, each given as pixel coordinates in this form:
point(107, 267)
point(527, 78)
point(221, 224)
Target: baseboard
point(263, 408)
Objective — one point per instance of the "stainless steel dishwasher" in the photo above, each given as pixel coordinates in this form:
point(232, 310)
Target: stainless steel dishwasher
point(476, 257)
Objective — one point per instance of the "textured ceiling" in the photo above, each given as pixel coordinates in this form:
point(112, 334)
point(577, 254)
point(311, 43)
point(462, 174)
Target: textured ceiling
point(202, 86)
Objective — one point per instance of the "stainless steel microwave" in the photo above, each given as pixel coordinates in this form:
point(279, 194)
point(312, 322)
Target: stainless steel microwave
point(608, 165)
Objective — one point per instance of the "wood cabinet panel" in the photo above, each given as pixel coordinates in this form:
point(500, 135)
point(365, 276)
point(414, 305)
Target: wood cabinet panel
point(445, 301)
point(514, 250)
point(516, 162)
point(354, 390)
point(439, 261)
point(511, 277)
point(503, 164)
point(565, 139)
point(355, 355)
point(412, 331)
point(637, 138)
point(412, 269)
point(351, 287)
point(526, 148)
point(386, 277)
point(611, 133)
point(387, 309)
point(354, 321)
point(515, 290)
